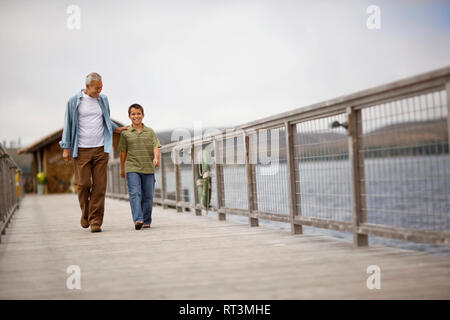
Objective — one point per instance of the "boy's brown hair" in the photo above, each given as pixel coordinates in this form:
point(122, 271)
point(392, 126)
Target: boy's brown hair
point(135, 106)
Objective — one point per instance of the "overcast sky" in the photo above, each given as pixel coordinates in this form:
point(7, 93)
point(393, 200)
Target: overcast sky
point(224, 63)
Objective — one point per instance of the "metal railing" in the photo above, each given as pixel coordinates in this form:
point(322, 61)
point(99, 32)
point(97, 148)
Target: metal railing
point(374, 163)
point(11, 189)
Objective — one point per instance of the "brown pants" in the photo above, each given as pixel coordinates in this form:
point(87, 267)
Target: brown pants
point(90, 178)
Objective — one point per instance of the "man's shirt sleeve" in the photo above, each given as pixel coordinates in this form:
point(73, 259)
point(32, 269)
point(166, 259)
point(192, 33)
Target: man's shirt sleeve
point(65, 142)
point(113, 125)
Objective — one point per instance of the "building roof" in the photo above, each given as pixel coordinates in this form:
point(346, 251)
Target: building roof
point(49, 139)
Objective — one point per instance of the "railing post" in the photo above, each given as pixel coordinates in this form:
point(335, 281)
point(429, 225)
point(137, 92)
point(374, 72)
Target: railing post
point(124, 181)
point(254, 222)
point(108, 180)
point(163, 182)
point(160, 180)
point(119, 179)
point(198, 212)
point(176, 165)
point(356, 159)
point(2, 190)
point(3, 204)
point(218, 157)
point(12, 192)
point(114, 180)
point(111, 172)
point(294, 205)
point(447, 88)
point(113, 188)
point(8, 193)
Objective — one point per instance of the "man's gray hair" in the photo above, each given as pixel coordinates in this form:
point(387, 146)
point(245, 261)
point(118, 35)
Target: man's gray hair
point(93, 76)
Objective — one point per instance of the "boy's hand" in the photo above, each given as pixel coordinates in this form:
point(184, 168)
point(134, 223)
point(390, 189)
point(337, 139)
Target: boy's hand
point(155, 162)
point(122, 174)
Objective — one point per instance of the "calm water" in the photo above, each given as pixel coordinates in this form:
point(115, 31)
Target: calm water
point(407, 192)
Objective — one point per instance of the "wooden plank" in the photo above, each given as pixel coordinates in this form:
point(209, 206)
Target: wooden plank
point(239, 212)
point(167, 202)
point(325, 223)
point(420, 236)
point(183, 258)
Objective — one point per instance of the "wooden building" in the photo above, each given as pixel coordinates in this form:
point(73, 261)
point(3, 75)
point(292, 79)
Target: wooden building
point(47, 158)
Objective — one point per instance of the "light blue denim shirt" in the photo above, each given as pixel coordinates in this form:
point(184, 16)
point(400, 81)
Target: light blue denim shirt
point(69, 138)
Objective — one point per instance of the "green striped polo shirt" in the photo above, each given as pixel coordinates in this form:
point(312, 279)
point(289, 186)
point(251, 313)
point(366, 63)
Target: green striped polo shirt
point(139, 147)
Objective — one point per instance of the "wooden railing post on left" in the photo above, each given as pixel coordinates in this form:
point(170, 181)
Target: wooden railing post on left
point(357, 173)
point(219, 179)
point(292, 180)
point(198, 212)
point(251, 183)
point(176, 163)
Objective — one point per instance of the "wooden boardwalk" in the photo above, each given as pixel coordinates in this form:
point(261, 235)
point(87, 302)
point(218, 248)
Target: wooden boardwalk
point(188, 257)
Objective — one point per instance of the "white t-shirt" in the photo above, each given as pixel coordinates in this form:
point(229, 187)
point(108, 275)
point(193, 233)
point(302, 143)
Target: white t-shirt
point(90, 123)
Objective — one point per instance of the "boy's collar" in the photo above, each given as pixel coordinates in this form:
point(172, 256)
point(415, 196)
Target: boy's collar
point(144, 128)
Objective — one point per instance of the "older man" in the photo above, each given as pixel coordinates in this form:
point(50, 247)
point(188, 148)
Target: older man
point(87, 137)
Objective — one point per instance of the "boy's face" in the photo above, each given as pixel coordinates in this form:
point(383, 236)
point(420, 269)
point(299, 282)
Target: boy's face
point(136, 116)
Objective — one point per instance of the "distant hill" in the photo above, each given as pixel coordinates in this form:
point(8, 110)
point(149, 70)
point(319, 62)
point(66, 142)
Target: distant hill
point(406, 138)
point(408, 133)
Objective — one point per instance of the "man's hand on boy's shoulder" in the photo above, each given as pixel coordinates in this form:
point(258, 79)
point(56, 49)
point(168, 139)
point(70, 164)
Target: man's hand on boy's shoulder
point(120, 129)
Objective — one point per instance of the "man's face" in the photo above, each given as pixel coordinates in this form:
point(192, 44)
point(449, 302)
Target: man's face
point(136, 116)
point(94, 89)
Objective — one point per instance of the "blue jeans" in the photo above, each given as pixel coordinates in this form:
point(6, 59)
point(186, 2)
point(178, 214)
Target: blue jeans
point(140, 188)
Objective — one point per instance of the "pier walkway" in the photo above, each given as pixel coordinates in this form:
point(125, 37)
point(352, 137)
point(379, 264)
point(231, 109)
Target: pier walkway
point(184, 256)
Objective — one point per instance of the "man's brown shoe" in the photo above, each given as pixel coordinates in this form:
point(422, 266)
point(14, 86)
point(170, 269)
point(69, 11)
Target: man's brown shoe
point(96, 228)
point(84, 223)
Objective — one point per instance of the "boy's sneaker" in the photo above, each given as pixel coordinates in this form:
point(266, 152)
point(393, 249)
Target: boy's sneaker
point(138, 225)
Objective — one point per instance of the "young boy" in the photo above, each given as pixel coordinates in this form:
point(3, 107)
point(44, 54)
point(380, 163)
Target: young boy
point(139, 156)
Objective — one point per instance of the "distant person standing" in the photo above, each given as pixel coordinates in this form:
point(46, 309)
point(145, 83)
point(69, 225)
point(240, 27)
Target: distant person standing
point(87, 138)
point(139, 155)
